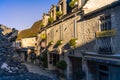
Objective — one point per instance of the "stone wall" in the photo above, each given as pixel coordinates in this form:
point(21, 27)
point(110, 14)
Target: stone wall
point(29, 42)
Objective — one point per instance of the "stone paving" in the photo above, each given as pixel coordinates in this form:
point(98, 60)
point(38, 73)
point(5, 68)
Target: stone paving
point(39, 70)
point(13, 68)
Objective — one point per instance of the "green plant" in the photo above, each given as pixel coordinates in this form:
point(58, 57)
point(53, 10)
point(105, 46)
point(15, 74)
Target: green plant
point(50, 20)
point(59, 13)
point(73, 42)
point(72, 3)
point(41, 25)
point(43, 36)
point(59, 42)
point(62, 65)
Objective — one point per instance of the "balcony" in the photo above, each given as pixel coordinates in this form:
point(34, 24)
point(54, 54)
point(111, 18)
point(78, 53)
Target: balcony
point(105, 50)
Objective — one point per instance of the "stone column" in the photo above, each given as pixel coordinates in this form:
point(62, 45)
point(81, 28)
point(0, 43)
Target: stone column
point(54, 12)
point(64, 7)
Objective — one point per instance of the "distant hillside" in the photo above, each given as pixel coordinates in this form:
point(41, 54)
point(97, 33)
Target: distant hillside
point(31, 32)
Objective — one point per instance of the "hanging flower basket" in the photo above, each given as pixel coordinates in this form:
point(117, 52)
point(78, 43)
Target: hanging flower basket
point(41, 25)
point(43, 36)
point(59, 42)
point(72, 3)
point(73, 42)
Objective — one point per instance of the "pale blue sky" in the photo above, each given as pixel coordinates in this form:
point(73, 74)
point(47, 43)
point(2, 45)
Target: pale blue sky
point(21, 14)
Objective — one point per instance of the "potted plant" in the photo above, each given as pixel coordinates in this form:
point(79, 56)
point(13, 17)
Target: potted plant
point(59, 13)
point(41, 25)
point(59, 42)
point(72, 3)
point(73, 42)
point(50, 20)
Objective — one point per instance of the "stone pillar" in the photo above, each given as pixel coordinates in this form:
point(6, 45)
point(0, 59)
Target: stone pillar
point(54, 12)
point(64, 7)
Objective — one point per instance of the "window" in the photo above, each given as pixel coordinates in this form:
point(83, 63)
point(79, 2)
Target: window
point(105, 42)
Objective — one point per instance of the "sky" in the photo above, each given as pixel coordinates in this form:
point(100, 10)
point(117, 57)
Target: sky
point(21, 14)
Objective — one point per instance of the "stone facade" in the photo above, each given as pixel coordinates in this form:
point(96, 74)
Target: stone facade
point(63, 6)
point(52, 12)
point(28, 42)
point(45, 19)
point(83, 27)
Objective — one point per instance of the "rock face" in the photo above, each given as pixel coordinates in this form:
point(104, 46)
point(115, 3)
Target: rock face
point(5, 29)
point(11, 68)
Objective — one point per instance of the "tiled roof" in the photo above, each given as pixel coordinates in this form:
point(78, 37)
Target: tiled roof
point(31, 32)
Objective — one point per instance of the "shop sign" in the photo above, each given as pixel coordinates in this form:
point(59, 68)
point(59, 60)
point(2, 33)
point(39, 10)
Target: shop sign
point(106, 33)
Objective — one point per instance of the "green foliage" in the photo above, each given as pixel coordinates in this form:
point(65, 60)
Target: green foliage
point(72, 42)
point(50, 20)
point(72, 3)
point(59, 42)
point(59, 13)
point(43, 36)
point(61, 65)
point(41, 25)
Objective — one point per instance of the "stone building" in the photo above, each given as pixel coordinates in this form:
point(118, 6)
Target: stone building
point(86, 36)
point(28, 38)
point(102, 63)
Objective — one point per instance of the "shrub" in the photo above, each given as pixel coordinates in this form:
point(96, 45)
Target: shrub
point(61, 65)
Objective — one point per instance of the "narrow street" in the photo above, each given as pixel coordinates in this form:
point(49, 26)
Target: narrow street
point(41, 71)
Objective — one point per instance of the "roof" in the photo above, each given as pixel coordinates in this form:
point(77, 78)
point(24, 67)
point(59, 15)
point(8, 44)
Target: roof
point(93, 5)
point(31, 32)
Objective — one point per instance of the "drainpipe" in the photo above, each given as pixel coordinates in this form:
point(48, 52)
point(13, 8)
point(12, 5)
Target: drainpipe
point(75, 27)
point(61, 32)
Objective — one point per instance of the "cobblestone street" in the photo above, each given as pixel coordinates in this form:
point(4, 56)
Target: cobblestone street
point(34, 68)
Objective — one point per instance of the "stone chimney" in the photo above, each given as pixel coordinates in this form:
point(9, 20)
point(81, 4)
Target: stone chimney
point(45, 19)
point(62, 5)
point(52, 12)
